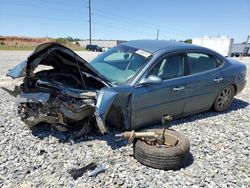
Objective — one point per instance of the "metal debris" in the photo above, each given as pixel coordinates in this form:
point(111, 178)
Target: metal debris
point(97, 171)
point(76, 173)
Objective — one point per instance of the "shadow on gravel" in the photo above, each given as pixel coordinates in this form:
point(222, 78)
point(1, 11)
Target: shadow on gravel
point(44, 131)
point(236, 105)
point(111, 140)
point(189, 161)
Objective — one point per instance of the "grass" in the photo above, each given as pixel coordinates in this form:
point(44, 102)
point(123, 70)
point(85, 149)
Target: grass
point(17, 48)
point(77, 48)
point(31, 48)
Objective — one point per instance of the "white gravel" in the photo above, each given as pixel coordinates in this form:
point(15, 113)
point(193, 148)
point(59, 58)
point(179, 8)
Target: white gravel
point(220, 145)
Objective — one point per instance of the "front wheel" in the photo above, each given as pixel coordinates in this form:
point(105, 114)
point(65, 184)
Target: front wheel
point(224, 99)
point(166, 157)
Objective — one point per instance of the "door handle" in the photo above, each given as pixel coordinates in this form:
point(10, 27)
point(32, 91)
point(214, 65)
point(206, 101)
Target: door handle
point(178, 88)
point(218, 80)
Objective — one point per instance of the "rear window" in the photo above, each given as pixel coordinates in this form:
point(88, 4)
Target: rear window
point(200, 62)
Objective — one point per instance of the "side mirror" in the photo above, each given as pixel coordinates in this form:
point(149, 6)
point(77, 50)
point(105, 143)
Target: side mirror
point(151, 79)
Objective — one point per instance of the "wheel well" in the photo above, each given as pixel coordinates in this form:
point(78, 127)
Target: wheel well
point(115, 117)
point(235, 88)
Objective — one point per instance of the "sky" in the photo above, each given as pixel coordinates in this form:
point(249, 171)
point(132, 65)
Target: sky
point(126, 20)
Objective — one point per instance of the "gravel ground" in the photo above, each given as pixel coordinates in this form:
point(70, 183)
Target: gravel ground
point(220, 146)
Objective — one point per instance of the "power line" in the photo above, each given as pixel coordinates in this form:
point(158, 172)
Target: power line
point(44, 7)
point(105, 15)
point(72, 20)
point(42, 17)
point(166, 29)
point(123, 29)
point(65, 3)
point(165, 33)
point(111, 18)
point(131, 23)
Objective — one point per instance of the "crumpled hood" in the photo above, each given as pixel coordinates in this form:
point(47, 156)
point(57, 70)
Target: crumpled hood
point(50, 53)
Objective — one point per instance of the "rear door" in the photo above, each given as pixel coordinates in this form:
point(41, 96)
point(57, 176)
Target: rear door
point(203, 82)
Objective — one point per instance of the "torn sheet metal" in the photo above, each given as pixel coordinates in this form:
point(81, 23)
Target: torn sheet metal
point(14, 92)
point(97, 171)
point(76, 173)
point(58, 96)
point(104, 102)
point(18, 71)
point(78, 114)
point(33, 97)
point(77, 93)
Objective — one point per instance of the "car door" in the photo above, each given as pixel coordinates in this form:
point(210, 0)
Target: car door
point(203, 82)
point(152, 101)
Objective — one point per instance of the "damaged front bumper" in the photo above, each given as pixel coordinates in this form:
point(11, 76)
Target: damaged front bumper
point(65, 109)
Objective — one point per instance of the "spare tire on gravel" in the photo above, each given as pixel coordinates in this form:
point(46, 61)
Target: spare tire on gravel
point(166, 158)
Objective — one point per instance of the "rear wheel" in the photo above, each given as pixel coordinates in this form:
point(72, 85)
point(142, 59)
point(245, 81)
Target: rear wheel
point(224, 99)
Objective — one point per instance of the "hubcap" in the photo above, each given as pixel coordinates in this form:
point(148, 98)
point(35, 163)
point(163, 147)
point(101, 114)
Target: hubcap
point(225, 97)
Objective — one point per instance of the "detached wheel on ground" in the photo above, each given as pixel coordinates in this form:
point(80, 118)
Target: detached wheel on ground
point(165, 157)
point(224, 99)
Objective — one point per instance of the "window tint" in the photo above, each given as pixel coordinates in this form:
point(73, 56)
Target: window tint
point(170, 67)
point(199, 62)
point(219, 61)
point(120, 64)
point(118, 56)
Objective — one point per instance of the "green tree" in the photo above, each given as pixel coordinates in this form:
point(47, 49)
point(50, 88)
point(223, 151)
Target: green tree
point(61, 40)
point(188, 41)
point(70, 39)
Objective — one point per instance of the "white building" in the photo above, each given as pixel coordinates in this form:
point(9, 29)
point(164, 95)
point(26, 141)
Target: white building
point(221, 45)
point(101, 43)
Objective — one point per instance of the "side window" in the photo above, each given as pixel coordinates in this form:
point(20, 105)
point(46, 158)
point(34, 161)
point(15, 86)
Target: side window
point(170, 67)
point(200, 62)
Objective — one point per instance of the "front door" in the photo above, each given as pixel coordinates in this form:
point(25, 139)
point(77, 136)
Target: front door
point(151, 102)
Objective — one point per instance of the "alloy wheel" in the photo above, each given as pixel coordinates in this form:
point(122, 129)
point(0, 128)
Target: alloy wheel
point(225, 97)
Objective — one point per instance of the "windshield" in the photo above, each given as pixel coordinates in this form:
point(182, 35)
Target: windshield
point(121, 63)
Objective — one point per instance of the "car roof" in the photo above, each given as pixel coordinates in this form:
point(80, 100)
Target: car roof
point(155, 45)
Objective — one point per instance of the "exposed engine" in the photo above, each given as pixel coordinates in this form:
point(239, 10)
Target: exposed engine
point(59, 110)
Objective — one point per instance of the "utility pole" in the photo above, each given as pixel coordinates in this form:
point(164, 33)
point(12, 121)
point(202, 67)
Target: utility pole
point(90, 21)
point(157, 37)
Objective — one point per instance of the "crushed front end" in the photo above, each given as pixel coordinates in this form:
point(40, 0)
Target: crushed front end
point(59, 88)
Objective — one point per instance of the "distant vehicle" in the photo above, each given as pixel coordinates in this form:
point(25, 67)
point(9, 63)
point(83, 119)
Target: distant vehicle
point(94, 48)
point(240, 50)
point(137, 82)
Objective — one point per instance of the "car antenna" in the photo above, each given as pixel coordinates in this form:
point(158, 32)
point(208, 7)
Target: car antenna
point(78, 66)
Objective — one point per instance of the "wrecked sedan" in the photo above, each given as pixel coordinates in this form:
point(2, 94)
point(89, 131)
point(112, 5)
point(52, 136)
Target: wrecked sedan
point(129, 86)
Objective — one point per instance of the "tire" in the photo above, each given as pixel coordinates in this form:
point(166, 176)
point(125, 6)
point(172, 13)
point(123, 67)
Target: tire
point(172, 158)
point(224, 99)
